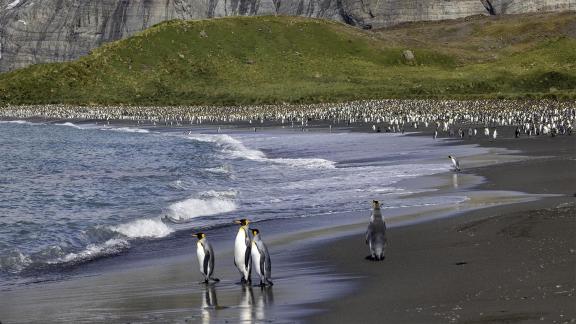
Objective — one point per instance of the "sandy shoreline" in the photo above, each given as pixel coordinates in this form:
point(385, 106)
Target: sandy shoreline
point(514, 263)
point(327, 261)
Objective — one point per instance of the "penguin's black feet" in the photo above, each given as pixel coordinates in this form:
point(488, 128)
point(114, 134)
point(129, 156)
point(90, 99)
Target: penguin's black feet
point(203, 282)
point(270, 283)
point(215, 279)
point(370, 258)
point(242, 280)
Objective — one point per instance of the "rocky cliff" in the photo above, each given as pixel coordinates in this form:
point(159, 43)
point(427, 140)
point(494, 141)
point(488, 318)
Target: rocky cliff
point(39, 31)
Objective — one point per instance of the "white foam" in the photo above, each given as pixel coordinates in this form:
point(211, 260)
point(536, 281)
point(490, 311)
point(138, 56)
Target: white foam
point(16, 122)
point(14, 262)
point(228, 194)
point(143, 228)
point(128, 130)
point(13, 4)
point(193, 207)
point(93, 251)
point(237, 149)
point(219, 170)
point(69, 124)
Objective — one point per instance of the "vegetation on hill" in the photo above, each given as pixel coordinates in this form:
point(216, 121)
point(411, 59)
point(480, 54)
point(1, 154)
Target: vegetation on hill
point(250, 60)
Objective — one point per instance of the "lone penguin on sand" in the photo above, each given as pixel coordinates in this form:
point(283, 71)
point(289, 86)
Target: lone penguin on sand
point(455, 163)
point(205, 255)
point(376, 234)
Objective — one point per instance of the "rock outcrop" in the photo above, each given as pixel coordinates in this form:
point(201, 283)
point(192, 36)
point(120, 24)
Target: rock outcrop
point(40, 31)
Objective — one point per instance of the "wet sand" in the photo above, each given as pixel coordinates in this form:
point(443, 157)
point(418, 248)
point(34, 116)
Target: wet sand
point(514, 263)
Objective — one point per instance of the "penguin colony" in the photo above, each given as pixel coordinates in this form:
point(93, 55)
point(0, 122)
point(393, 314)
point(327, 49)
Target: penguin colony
point(248, 254)
point(538, 117)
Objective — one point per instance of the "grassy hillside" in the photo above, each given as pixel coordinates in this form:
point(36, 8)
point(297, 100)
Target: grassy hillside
point(292, 59)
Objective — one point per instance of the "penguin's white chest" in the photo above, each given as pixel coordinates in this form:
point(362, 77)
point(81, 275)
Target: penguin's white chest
point(256, 259)
point(201, 255)
point(240, 249)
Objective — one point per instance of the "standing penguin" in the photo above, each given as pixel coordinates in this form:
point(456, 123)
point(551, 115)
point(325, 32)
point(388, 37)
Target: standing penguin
point(261, 259)
point(376, 234)
point(242, 251)
point(455, 163)
point(205, 255)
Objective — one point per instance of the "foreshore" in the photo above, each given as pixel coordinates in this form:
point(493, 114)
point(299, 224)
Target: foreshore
point(458, 268)
point(513, 263)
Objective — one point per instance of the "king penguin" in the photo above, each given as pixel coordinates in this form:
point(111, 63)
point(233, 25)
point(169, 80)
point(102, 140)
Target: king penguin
point(242, 251)
point(205, 255)
point(455, 163)
point(261, 259)
point(376, 234)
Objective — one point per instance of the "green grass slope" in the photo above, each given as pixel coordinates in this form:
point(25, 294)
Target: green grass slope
point(248, 60)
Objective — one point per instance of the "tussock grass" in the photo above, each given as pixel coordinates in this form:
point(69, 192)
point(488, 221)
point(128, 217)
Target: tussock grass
point(252, 60)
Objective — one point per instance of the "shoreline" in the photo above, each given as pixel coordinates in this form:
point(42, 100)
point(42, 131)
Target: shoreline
point(481, 266)
point(309, 256)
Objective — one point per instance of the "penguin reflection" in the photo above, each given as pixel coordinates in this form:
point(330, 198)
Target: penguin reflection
point(265, 299)
point(209, 303)
point(246, 304)
point(253, 305)
point(455, 180)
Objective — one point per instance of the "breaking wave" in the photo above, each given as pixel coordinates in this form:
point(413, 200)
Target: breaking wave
point(143, 228)
point(236, 149)
point(94, 251)
point(195, 207)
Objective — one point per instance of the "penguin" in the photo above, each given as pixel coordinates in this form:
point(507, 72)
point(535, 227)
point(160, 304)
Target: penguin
point(205, 255)
point(376, 234)
point(261, 259)
point(242, 251)
point(455, 163)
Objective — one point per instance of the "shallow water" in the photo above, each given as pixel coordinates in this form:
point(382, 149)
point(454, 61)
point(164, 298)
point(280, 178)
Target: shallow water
point(71, 194)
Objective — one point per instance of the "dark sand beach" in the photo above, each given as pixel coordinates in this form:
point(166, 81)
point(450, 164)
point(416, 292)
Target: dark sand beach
point(514, 263)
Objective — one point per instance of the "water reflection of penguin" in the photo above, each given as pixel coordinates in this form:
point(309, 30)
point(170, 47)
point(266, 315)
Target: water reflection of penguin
point(265, 300)
point(455, 180)
point(376, 234)
point(210, 299)
point(209, 303)
point(246, 303)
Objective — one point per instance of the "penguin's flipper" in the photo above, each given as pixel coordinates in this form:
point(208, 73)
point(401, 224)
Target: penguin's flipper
point(247, 256)
point(206, 262)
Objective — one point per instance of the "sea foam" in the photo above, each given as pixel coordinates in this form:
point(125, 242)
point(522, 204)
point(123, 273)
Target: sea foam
point(236, 149)
point(94, 251)
point(143, 228)
point(194, 207)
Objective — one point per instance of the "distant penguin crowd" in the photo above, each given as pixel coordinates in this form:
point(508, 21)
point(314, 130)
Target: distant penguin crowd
point(450, 118)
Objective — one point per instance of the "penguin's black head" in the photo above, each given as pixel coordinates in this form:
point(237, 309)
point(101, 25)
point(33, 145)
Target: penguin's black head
point(375, 204)
point(200, 235)
point(242, 222)
point(449, 156)
point(255, 231)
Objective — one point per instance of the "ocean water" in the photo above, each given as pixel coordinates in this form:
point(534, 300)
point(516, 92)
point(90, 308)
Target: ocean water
point(71, 194)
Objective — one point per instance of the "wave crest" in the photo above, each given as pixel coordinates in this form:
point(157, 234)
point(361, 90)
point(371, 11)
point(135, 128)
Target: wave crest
point(194, 207)
point(143, 228)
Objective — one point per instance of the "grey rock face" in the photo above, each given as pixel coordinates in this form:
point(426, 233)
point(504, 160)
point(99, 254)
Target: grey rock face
point(40, 31)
